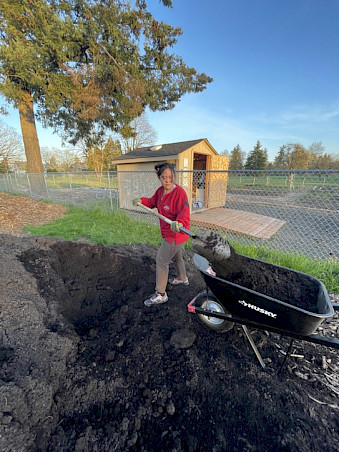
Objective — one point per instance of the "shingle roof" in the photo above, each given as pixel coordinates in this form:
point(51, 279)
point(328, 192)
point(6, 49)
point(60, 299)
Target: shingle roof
point(166, 149)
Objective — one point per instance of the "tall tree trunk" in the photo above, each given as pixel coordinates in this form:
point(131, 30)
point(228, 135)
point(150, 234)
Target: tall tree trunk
point(29, 134)
point(31, 143)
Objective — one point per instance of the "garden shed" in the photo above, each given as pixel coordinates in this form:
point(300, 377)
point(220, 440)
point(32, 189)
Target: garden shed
point(194, 161)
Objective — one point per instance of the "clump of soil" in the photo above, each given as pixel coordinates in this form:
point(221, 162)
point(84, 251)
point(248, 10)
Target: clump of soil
point(85, 366)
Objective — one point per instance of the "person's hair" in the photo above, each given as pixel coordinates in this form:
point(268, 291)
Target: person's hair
point(160, 168)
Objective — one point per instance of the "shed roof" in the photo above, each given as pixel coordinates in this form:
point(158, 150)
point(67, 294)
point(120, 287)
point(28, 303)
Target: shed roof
point(170, 149)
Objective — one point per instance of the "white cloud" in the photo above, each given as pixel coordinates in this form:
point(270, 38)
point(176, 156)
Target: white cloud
point(299, 114)
point(187, 123)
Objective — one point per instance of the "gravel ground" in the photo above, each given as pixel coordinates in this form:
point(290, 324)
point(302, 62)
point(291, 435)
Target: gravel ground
point(314, 234)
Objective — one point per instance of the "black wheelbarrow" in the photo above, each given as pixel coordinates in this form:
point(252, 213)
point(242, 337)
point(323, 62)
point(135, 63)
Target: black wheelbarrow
point(225, 303)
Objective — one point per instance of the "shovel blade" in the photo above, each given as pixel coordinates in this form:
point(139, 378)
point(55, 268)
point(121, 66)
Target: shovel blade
point(212, 246)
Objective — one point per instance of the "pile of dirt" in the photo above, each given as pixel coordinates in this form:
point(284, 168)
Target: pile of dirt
point(280, 283)
point(85, 366)
point(283, 284)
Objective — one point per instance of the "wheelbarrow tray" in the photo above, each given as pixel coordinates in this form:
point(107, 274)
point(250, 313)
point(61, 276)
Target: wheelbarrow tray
point(264, 309)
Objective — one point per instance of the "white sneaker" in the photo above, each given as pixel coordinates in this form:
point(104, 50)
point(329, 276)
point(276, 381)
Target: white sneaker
point(157, 298)
point(177, 282)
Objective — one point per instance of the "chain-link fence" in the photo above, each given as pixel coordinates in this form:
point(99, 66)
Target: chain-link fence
point(83, 189)
point(293, 211)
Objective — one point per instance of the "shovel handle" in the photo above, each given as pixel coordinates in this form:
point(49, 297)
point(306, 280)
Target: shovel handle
point(167, 220)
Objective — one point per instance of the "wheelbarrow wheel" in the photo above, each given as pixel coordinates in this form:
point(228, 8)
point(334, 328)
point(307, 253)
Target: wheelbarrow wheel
point(210, 302)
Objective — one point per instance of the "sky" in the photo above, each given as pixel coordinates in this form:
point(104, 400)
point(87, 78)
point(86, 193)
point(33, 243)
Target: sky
point(275, 70)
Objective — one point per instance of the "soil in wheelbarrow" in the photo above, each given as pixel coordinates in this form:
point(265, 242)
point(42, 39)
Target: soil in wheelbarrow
point(280, 283)
point(85, 366)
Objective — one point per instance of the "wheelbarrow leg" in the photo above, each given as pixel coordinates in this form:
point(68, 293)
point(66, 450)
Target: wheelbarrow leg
point(286, 356)
point(254, 347)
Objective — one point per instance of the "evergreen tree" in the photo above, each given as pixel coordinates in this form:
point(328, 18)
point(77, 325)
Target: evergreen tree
point(112, 149)
point(236, 159)
point(257, 158)
point(81, 63)
point(281, 160)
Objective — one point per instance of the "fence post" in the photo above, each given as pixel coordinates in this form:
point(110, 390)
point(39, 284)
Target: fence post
point(45, 177)
point(29, 185)
point(16, 182)
point(70, 186)
point(109, 190)
point(6, 184)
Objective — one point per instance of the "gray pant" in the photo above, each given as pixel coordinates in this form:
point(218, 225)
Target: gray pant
point(167, 253)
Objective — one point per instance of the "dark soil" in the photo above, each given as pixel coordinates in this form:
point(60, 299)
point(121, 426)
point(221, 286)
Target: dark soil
point(85, 366)
point(280, 283)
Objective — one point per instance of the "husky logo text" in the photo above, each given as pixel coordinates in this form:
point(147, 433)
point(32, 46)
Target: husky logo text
point(256, 308)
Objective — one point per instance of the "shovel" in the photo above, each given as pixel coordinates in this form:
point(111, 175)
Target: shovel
point(210, 245)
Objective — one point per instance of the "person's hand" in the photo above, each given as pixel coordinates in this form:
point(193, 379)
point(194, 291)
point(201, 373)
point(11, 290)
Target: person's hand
point(136, 201)
point(175, 226)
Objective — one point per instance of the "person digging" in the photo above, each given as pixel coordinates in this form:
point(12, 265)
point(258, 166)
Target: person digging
point(171, 201)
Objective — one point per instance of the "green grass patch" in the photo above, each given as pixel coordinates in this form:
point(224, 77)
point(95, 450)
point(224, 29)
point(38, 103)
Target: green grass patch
point(105, 205)
point(78, 180)
point(270, 180)
point(111, 228)
point(117, 228)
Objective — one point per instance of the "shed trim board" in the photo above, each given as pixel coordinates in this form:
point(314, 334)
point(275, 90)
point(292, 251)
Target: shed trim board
point(238, 221)
point(146, 160)
point(166, 151)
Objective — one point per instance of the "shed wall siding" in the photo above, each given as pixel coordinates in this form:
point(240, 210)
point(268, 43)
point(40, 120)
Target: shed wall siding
point(135, 178)
point(217, 182)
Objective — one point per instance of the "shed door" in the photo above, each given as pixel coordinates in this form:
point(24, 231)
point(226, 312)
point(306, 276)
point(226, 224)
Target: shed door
point(217, 182)
point(198, 180)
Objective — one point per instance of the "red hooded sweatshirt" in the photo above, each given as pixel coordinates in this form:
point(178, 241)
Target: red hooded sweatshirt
point(174, 206)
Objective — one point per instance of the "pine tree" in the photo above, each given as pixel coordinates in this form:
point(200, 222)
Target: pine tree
point(84, 63)
point(281, 159)
point(257, 158)
point(236, 159)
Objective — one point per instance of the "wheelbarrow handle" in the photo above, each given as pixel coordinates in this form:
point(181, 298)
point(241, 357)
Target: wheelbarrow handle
point(167, 220)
